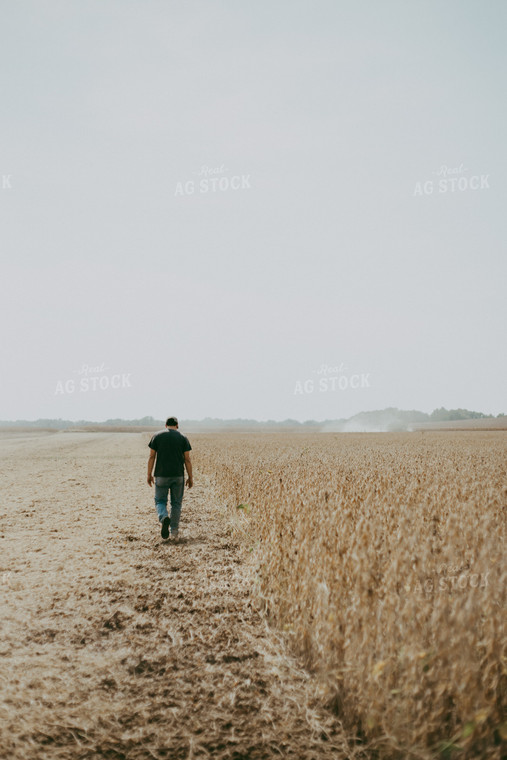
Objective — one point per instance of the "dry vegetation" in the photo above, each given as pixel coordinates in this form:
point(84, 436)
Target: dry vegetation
point(382, 557)
point(377, 560)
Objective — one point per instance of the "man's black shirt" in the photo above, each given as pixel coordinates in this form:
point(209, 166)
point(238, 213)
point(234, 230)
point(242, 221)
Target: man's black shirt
point(170, 446)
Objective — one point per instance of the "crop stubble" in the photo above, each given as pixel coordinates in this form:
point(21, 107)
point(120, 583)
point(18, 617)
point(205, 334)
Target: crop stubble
point(376, 559)
point(117, 644)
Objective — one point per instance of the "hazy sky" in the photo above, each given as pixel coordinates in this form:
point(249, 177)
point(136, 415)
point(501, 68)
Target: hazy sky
point(202, 204)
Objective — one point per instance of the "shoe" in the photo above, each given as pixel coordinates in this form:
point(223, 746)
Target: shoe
point(175, 535)
point(165, 528)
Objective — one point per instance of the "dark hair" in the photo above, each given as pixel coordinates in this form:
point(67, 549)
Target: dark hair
point(172, 422)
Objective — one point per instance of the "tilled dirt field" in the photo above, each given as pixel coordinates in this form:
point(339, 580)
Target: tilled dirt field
point(118, 644)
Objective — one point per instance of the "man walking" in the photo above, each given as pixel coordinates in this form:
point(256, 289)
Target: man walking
point(171, 449)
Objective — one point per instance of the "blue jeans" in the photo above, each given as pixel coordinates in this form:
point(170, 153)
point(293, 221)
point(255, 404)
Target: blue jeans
point(175, 484)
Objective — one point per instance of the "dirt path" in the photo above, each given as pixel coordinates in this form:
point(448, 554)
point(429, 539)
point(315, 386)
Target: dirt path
point(117, 644)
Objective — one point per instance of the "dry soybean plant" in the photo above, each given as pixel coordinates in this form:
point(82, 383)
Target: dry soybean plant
point(381, 557)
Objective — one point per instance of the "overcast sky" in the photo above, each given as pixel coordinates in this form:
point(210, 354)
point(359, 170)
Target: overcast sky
point(208, 208)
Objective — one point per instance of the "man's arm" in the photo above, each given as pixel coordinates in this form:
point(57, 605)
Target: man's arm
point(151, 464)
point(188, 466)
